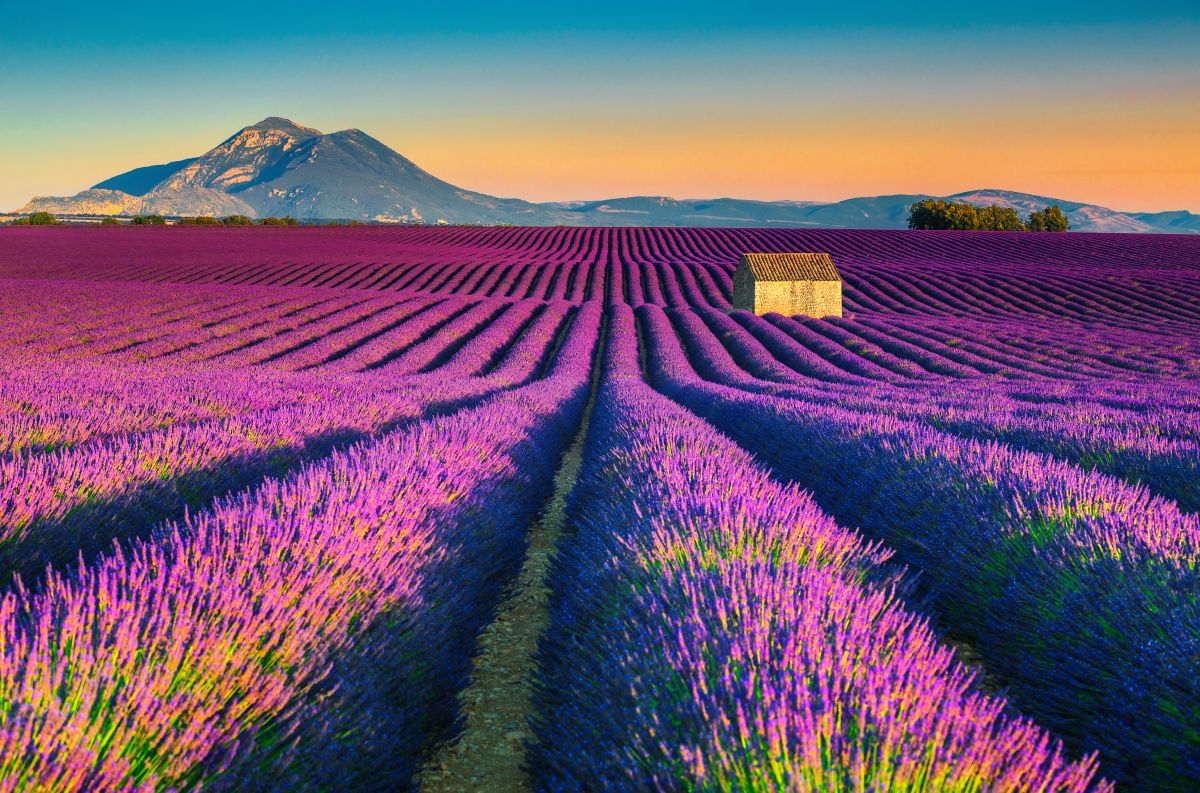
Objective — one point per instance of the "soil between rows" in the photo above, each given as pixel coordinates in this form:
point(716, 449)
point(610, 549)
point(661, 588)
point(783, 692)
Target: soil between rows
point(498, 704)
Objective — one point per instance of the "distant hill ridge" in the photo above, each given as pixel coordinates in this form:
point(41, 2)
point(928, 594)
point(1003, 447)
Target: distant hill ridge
point(279, 167)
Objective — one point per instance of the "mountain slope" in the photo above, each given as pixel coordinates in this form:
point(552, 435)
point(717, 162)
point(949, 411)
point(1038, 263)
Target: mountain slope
point(140, 181)
point(279, 167)
point(349, 174)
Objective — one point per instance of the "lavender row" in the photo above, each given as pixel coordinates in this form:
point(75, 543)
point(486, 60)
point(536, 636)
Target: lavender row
point(313, 343)
point(345, 343)
point(993, 275)
point(427, 353)
point(57, 505)
point(1144, 440)
point(1079, 590)
point(49, 406)
point(1137, 447)
point(313, 322)
point(531, 351)
point(528, 353)
point(206, 646)
point(381, 348)
point(238, 647)
point(711, 629)
point(161, 345)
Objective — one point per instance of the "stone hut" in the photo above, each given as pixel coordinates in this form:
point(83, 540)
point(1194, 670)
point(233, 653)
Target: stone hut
point(789, 284)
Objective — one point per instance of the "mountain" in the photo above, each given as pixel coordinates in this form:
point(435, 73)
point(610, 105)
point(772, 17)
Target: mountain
point(1180, 220)
point(875, 212)
point(881, 212)
point(1083, 217)
point(279, 167)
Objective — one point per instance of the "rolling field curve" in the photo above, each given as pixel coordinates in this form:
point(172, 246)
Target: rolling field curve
point(271, 498)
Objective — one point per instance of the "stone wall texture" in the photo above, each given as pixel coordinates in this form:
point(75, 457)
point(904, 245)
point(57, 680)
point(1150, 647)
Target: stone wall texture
point(809, 298)
point(743, 289)
point(806, 298)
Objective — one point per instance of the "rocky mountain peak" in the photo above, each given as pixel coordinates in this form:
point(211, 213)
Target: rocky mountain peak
point(241, 159)
point(284, 125)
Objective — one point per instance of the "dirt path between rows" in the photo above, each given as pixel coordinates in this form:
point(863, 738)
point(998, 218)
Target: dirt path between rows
point(498, 703)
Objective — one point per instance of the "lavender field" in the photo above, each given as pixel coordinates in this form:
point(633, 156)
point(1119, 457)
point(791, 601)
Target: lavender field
point(263, 490)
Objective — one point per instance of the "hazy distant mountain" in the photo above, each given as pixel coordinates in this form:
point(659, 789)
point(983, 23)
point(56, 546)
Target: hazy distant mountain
point(278, 167)
point(883, 212)
point(876, 212)
point(1179, 221)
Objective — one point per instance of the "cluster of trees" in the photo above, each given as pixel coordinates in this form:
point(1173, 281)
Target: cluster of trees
point(1049, 219)
point(236, 220)
point(205, 220)
point(47, 219)
point(36, 219)
point(939, 214)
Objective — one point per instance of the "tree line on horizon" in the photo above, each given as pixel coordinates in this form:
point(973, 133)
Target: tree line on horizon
point(930, 214)
point(49, 219)
point(938, 214)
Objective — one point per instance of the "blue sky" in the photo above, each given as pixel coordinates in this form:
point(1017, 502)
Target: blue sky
point(1089, 101)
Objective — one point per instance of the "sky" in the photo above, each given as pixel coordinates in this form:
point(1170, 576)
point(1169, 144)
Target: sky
point(1096, 102)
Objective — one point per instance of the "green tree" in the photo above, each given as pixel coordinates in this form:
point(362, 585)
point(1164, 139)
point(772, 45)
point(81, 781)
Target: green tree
point(962, 217)
point(283, 221)
point(148, 220)
point(37, 219)
point(927, 215)
point(110, 222)
point(997, 218)
point(1049, 219)
point(937, 214)
point(199, 220)
point(237, 220)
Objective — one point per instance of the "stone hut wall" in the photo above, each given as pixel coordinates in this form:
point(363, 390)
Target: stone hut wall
point(810, 298)
point(743, 289)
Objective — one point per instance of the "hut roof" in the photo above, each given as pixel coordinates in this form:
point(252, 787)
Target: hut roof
point(791, 266)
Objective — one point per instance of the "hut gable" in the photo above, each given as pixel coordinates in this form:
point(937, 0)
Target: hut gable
point(792, 284)
point(791, 266)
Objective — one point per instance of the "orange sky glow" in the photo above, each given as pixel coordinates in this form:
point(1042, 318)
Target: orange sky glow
point(1109, 155)
point(1092, 102)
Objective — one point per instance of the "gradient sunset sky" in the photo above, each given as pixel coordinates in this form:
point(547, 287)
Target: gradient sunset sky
point(1096, 102)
